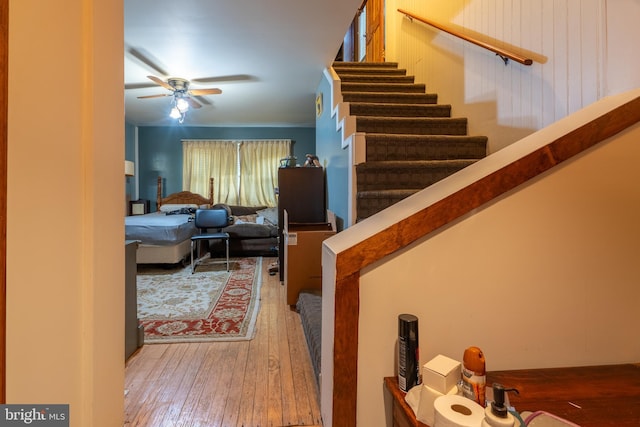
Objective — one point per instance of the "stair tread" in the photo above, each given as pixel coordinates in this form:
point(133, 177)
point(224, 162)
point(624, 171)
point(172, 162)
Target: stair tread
point(410, 119)
point(413, 125)
point(411, 140)
point(368, 109)
point(389, 93)
point(364, 64)
point(401, 85)
point(416, 98)
point(418, 126)
point(382, 87)
point(400, 164)
point(400, 104)
point(390, 147)
point(370, 71)
point(397, 191)
point(382, 73)
point(419, 137)
point(376, 78)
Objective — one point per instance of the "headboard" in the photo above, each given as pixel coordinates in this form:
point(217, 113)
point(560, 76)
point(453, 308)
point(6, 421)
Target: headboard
point(184, 197)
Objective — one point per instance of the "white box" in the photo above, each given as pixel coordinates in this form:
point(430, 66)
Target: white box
point(441, 373)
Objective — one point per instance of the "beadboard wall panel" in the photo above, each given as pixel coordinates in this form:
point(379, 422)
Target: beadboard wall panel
point(505, 102)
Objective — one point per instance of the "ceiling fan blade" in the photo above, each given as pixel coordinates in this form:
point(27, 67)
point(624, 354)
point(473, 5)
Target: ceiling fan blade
point(193, 103)
point(228, 78)
point(155, 96)
point(161, 83)
point(140, 56)
point(200, 92)
point(138, 85)
point(202, 100)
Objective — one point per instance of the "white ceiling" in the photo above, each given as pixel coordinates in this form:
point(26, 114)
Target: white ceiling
point(266, 56)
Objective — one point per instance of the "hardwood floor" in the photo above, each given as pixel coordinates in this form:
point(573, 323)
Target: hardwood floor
point(267, 381)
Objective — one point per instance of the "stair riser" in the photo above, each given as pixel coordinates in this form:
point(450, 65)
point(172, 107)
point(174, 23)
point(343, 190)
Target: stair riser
point(390, 98)
point(370, 206)
point(349, 64)
point(411, 142)
point(390, 179)
point(382, 87)
point(400, 110)
point(416, 126)
point(417, 150)
point(375, 79)
point(370, 71)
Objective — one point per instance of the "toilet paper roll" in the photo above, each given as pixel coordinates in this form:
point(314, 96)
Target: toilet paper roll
point(457, 411)
point(428, 396)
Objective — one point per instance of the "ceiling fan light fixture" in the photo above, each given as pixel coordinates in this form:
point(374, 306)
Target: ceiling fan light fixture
point(182, 105)
point(175, 113)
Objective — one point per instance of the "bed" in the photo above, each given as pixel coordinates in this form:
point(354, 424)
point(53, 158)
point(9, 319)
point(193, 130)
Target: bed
point(254, 231)
point(165, 235)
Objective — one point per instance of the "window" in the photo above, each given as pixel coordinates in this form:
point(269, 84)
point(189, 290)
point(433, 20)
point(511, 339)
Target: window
point(245, 172)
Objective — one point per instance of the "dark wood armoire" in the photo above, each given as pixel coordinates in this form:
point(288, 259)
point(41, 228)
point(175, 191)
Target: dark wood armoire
point(301, 191)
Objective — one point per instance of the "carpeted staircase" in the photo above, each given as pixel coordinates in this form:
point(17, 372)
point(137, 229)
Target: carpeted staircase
point(411, 141)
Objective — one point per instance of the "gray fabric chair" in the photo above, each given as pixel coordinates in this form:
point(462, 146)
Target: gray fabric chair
point(205, 221)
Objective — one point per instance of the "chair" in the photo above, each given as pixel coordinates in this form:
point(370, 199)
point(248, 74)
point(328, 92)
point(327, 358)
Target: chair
point(210, 219)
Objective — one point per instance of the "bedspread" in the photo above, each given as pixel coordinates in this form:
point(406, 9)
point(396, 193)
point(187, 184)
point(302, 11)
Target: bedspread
point(158, 228)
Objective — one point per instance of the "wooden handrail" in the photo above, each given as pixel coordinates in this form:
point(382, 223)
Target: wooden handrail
point(502, 53)
point(352, 260)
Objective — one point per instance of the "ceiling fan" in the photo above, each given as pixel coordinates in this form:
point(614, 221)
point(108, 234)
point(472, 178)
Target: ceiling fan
point(179, 89)
point(182, 95)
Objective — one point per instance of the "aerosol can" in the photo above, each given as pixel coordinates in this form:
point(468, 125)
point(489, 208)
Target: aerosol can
point(408, 352)
point(474, 377)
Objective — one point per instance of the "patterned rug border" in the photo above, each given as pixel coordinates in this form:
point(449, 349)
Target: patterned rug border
point(252, 314)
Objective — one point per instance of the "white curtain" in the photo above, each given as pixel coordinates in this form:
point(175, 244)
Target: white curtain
point(259, 161)
point(245, 172)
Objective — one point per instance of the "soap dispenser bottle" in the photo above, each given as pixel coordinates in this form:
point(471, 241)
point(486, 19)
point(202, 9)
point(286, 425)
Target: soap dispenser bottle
point(496, 414)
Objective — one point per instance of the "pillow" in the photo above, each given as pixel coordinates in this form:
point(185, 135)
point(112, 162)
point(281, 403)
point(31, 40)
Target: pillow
point(176, 207)
point(245, 210)
point(245, 219)
point(269, 214)
point(251, 231)
point(182, 211)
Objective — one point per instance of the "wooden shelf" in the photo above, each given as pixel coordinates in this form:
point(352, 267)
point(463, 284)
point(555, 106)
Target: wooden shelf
point(591, 396)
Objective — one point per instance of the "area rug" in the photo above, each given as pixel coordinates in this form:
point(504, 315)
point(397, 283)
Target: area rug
point(209, 305)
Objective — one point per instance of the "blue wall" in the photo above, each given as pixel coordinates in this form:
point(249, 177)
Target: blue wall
point(160, 150)
point(333, 157)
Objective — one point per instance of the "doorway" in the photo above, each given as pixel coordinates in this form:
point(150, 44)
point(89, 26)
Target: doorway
point(374, 37)
point(4, 49)
point(364, 40)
